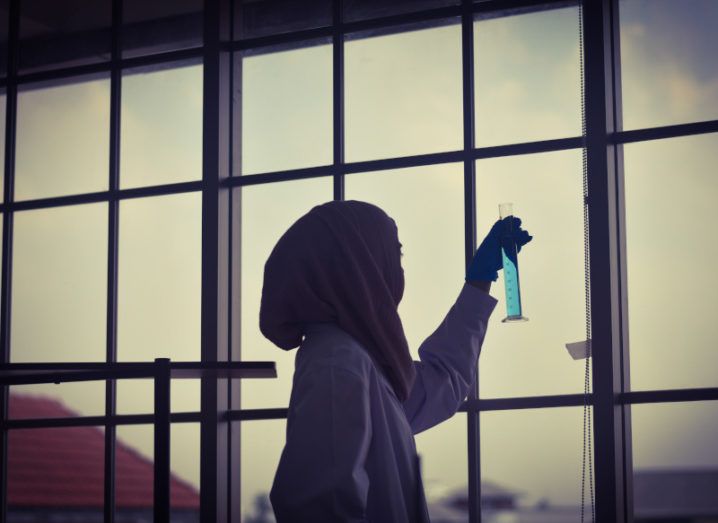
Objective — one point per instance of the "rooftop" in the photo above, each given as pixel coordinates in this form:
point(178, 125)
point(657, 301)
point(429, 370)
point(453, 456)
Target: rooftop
point(64, 467)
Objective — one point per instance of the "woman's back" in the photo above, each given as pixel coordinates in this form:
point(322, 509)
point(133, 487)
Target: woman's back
point(350, 453)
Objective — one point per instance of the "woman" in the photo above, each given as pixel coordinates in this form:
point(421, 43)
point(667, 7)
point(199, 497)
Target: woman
point(332, 286)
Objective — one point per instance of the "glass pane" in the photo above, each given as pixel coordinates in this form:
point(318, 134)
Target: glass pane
point(161, 138)
point(157, 27)
point(293, 87)
point(527, 82)
point(444, 466)
point(51, 472)
point(262, 444)
point(675, 461)
point(403, 93)
point(433, 239)
point(159, 278)
point(433, 263)
point(137, 396)
point(3, 109)
point(66, 400)
point(669, 72)
point(363, 9)
point(4, 34)
point(135, 466)
point(256, 18)
point(2, 225)
point(64, 34)
point(670, 189)
point(59, 288)
point(531, 465)
point(524, 359)
point(63, 138)
point(268, 210)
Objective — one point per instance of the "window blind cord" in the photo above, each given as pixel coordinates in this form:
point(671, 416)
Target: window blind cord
point(587, 454)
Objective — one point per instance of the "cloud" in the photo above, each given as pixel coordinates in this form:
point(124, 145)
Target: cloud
point(659, 88)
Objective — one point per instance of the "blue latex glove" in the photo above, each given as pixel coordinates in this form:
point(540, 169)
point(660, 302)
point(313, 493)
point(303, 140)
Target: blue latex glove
point(487, 260)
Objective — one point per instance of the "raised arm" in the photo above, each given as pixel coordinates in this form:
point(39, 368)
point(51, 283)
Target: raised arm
point(448, 357)
point(448, 360)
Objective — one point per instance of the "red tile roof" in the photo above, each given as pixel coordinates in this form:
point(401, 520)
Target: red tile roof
point(64, 467)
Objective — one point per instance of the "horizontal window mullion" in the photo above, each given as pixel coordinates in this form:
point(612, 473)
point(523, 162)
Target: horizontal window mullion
point(482, 405)
point(536, 402)
point(669, 396)
point(104, 67)
point(97, 421)
point(103, 196)
point(256, 414)
point(420, 160)
point(668, 131)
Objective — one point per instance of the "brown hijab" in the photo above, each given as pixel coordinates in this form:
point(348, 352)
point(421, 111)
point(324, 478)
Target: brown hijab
point(340, 263)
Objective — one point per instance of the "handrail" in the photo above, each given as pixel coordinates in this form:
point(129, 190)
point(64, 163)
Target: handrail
point(162, 371)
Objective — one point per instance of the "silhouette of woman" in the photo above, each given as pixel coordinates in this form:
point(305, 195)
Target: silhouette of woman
point(332, 286)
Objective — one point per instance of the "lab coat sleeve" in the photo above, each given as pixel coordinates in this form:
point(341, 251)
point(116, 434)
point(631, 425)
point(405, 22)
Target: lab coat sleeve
point(448, 360)
point(321, 474)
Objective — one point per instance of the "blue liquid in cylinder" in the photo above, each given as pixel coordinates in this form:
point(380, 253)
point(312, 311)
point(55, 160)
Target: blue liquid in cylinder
point(511, 283)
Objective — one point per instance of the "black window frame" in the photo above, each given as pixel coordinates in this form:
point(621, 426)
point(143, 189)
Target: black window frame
point(221, 414)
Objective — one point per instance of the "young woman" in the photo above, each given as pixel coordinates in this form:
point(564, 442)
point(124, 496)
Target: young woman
point(332, 286)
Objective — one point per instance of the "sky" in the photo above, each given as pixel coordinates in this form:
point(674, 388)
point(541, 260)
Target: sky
point(403, 97)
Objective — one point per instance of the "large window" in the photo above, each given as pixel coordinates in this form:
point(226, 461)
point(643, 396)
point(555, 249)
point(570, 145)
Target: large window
point(153, 153)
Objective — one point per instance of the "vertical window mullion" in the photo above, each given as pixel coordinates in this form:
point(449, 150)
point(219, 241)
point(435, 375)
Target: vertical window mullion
point(610, 445)
point(472, 415)
point(338, 99)
point(7, 230)
point(112, 248)
point(623, 364)
point(216, 106)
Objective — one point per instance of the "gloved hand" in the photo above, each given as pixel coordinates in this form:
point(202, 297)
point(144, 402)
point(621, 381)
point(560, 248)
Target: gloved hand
point(487, 260)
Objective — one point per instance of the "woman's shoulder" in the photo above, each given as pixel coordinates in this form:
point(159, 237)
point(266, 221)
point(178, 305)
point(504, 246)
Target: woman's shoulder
point(327, 344)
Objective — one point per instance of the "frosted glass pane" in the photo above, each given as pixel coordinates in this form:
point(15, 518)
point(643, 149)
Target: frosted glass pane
point(134, 469)
point(671, 191)
point(161, 137)
point(3, 108)
point(253, 19)
point(363, 9)
point(267, 211)
point(59, 468)
point(527, 82)
point(403, 94)
point(137, 396)
point(286, 109)
point(157, 27)
point(432, 238)
point(427, 205)
point(63, 139)
point(669, 72)
point(524, 359)
point(262, 444)
point(50, 400)
point(443, 452)
point(59, 289)
point(62, 34)
point(4, 37)
point(159, 278)
point(531, 465)
point(675, 461)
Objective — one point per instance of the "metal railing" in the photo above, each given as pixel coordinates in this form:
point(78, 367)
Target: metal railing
point(161, 371)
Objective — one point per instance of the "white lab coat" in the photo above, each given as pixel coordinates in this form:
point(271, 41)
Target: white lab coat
point(350, 453)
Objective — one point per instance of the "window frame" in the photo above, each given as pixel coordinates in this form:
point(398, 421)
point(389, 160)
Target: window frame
point(221, 416)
